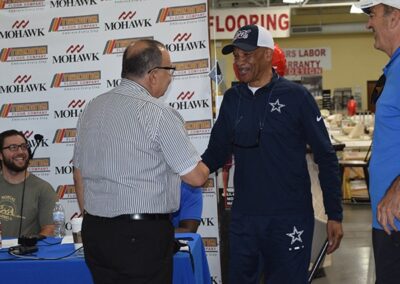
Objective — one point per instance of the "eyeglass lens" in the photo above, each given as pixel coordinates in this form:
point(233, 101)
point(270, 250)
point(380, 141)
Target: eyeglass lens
point(15, 147)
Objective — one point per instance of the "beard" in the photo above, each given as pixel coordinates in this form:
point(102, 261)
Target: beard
point(10, 165)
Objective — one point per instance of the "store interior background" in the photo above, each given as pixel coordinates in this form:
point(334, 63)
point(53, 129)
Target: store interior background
point(354, 63)
point(321, 23)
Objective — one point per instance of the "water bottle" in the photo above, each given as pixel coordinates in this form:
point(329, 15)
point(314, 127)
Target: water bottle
point(59, 220)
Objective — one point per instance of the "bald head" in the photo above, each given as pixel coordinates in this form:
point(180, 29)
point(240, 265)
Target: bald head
point(140, 57)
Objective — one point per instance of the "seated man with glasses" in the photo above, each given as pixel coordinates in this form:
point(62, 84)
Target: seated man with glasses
point(26, 201)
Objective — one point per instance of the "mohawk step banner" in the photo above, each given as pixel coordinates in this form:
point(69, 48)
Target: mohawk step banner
point(55, 56)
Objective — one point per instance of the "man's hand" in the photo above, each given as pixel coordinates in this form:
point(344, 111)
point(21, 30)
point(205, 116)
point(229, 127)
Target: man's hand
point(335, 235)
point(389, 207)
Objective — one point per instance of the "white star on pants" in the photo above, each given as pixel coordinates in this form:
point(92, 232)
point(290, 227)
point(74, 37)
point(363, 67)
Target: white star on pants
point(296, 235)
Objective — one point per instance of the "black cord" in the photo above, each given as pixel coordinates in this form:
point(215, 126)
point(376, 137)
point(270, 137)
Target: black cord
point(26, 257)
point(22, 204)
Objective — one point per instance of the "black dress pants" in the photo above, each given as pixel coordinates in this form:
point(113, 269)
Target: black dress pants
point(387, 256)
point(119, 251)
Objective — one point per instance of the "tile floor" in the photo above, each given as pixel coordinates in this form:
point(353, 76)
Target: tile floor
point(353, 262)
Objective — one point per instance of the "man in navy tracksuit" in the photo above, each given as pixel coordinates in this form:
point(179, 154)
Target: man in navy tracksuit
point(266, 122)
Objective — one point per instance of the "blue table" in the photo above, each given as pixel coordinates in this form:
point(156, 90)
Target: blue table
point(73, 269)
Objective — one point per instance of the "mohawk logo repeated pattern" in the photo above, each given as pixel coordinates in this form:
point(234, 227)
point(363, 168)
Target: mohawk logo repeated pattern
point(172, 14)
point(19, 30)
point(73, 110)
point(125, 22)
point(71, 3)
point(39, 165)
point(21, 4)
point(18, 54)
point(210, 244)
point(209, 186)
point(183, 102)
point(66, 191)
point(65, 135)
point(181, 43)
point(198, 127)
point(24, 110)
point(20, 85)
point(117, 46)
point(74, 55)
point(27, 134)
point(74, 23)
point(76, 79)
point(192, 67)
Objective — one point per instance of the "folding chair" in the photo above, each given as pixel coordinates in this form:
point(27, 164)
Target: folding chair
point(318, 249)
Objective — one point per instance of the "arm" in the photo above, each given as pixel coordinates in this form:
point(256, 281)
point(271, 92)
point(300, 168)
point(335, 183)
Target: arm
point(78, 181)
point(335, 235)
point(187, 226)
point(198, 176)
point(389, 207)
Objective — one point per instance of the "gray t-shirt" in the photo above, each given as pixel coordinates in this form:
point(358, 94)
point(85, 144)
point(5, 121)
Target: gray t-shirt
point(39, 203)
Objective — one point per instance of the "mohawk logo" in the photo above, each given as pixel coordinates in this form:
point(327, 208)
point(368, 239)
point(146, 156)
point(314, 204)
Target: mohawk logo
point(125, 22)
point(71, 3)
point(20, 4)
point(21, 86)
point(209, 186)
point(20, 30)
point(73, 55)
point(112, 83)
point(24, 109)
point(184, 68)
point(208, 222)
point(84, 22)
point(64, 170)
point(65, 135)
point(210, 244)
point(74, 110)
point(198, 127)
point(116, 46)
point(186, 103)
point(181, 43)
point(30, 53)
point(39, 165)
point(173, 14)
point(66, 191)
point(76, 79)
point(32, 142)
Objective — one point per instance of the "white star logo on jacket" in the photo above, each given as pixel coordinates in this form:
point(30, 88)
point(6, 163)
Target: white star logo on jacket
point(276, 106)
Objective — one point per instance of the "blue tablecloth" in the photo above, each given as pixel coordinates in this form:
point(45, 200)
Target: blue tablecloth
point(73, 269)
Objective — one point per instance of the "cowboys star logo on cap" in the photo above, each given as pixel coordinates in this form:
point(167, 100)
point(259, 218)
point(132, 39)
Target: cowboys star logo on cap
point(249, 37)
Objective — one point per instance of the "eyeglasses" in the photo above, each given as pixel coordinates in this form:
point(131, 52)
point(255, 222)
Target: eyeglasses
point(171, 70)
point(15, 147)
point(377, 91)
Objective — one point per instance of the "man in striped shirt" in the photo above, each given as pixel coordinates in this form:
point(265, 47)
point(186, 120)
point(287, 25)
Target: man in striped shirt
point(130, 156)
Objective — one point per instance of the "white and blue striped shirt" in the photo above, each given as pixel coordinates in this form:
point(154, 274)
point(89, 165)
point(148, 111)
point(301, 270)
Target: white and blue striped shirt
point(131, 149)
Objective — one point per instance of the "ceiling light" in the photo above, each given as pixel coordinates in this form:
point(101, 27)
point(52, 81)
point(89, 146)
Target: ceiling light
point(355, 10)
point(293, 1)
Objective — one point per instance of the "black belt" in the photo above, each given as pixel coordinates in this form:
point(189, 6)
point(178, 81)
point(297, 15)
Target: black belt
point(138, 216)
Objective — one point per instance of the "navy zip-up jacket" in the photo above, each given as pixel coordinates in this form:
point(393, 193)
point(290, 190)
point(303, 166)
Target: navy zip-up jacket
point(272, 179)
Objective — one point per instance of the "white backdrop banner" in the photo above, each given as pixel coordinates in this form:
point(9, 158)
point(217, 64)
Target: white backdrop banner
point(55, 56)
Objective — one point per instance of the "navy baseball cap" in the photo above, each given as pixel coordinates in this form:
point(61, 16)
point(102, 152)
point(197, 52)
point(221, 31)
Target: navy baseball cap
point(248, 38)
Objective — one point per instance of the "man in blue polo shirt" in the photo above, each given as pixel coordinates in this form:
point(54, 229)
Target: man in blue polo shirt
point(187, 219)
point(384, 21)
point(266, 122)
